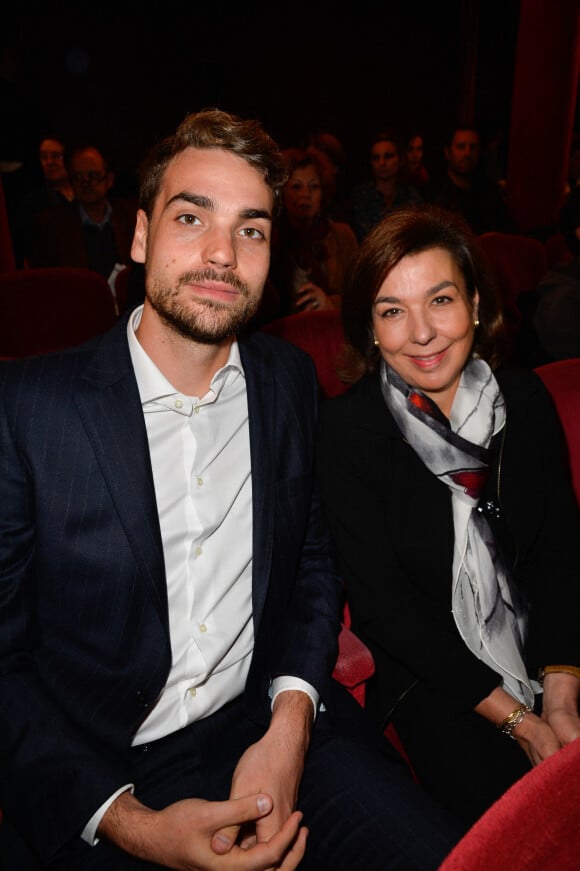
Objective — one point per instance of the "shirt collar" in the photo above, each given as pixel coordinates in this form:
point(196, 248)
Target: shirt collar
point(152, 383)
point(85, 219)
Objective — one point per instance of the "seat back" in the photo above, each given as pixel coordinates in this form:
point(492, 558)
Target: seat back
point(48, 309)
point(518, 262)
point(320, 334)
point(562, 378)
point(355, 663)
point(7, 259)
point(533, 825)
point(557, 250)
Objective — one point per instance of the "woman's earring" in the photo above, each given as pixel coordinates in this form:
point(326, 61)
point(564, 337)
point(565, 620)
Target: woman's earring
point(376, 342)
point(476, 323)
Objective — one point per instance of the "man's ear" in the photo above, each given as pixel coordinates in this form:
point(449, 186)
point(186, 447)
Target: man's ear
point(139, 246)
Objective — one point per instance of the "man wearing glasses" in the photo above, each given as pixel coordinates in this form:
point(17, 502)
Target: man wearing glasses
point(95, 230)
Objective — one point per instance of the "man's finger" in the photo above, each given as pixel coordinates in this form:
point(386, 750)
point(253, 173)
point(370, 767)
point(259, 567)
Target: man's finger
point(246, 809)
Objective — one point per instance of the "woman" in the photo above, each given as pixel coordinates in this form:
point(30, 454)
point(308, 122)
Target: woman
point(445, 480)
point(413, 169)
point(311, 253)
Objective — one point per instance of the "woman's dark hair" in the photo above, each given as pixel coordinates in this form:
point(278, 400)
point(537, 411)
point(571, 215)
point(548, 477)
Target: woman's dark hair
point(411, 231)
point(214, 128)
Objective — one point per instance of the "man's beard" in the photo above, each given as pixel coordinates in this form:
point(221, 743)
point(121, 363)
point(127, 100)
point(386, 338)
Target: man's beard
point(203, 320)
point(466, 168)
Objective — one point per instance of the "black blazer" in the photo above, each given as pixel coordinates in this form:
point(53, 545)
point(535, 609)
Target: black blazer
point(58, 238)
point(391, 521)
point(84, 634)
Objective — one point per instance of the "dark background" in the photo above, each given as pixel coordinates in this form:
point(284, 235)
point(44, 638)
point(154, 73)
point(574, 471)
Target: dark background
point(122, 76)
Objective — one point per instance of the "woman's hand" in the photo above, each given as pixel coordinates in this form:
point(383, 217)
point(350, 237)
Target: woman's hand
point(534, 735)
point(312, 296)
point(536, 738)
point(560, 705)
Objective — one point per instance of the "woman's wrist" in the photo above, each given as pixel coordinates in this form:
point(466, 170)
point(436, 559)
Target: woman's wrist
point(513, 720)
point(558, 669)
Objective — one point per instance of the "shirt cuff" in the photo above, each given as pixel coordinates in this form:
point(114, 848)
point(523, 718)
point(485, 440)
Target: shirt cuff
point(285, 683)
point(89, 833)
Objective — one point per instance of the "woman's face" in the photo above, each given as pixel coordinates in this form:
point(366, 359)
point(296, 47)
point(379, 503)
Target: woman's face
point(415, 152)
point(423, 320)
point(302, 193)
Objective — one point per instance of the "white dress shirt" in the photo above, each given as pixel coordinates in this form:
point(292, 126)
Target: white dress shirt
point(200, 454)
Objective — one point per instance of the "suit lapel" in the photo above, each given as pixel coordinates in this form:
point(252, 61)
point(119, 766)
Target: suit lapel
point(261, 409)
point(110, 407)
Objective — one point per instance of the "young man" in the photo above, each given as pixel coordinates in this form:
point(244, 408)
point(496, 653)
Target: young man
point(463, 186)
point(374, 199)
point(169, 605)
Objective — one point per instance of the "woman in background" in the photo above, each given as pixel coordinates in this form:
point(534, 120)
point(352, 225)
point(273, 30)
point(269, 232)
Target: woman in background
point(413, 169)
point(311, 252)
point(445, 479)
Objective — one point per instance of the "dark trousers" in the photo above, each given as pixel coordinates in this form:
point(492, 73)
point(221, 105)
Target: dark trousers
point(362, 808)
point(463, 761)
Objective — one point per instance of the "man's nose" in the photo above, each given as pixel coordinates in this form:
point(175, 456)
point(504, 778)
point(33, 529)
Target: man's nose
point(219, 248)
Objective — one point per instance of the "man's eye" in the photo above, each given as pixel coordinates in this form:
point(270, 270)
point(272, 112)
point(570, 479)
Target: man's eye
point(252, 233)
point(187, 219)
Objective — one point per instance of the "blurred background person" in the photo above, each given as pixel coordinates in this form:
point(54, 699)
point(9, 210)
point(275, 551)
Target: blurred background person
point(413, 169)
point(54, 189)
point(550, 327)
point(339, 206)
point(57, 183)
point(94, 230)
point(465, 187)
point(380, 195)
point(311, 252)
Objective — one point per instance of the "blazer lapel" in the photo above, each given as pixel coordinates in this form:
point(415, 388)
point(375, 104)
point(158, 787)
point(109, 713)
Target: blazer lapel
point(261, 409)
point(109, 404)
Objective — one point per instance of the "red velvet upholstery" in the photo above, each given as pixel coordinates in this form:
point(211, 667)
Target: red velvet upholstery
point(319, 333)
point(557, 250)
point(562, 378)
point(52, 308)
point(355, 663)
point(519, 262)
point(7, 261)
point(534, 826)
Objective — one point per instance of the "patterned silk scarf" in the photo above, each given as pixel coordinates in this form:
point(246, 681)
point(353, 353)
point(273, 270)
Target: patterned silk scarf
point(488, 612)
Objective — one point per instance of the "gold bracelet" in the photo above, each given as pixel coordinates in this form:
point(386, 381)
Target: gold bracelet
point(514, 719)
point(551, 669)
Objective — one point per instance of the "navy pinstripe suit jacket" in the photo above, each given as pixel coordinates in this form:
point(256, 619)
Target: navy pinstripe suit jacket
point(84, 638)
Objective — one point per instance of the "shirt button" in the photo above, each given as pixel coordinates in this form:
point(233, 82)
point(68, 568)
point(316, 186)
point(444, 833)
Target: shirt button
point(198, 551)
point(202, 627)
point(178, 403)
point(199, 481)
point(192, 691)
point(196, 410)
